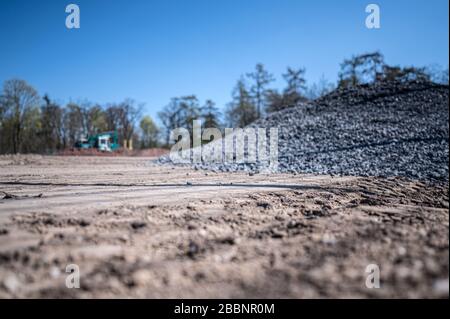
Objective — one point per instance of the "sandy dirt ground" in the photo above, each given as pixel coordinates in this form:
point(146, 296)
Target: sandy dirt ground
point(136, 229)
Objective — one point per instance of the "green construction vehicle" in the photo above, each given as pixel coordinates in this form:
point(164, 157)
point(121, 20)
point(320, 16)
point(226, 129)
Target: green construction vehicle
point(105, 142)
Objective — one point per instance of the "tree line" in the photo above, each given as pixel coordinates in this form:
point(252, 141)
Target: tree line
point(253, 98)
point(30, 124)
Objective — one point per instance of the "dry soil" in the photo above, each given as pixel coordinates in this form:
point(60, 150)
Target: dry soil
point(136, 229)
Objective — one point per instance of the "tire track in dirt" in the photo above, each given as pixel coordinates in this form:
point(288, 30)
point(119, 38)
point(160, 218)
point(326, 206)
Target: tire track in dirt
point(193, 241)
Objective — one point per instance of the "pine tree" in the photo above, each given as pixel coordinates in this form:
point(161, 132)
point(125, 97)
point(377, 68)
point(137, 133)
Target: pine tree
point(261, 78)
point(241, 111)
point(210, 114)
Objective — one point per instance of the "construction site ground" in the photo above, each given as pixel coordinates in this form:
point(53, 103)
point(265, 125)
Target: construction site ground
point(138, 229)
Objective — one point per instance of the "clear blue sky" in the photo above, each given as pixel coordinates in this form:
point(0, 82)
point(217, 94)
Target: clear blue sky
point(153, 50)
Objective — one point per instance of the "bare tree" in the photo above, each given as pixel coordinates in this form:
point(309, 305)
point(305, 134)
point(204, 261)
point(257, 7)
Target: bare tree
point(180, 112)
point(188, 111)
point(128, 116)
point(149, 132)
point(94, 119)
point(73, 123)
point(52, 128)
point(168, 117)
point(18, 100)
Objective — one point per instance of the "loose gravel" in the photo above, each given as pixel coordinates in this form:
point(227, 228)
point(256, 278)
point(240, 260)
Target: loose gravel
point(383, 129)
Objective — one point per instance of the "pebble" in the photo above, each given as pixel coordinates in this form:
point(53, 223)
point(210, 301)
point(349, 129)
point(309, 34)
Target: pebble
point(382, 129)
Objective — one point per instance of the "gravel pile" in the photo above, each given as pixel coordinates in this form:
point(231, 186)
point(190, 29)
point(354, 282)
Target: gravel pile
point(395, 129)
